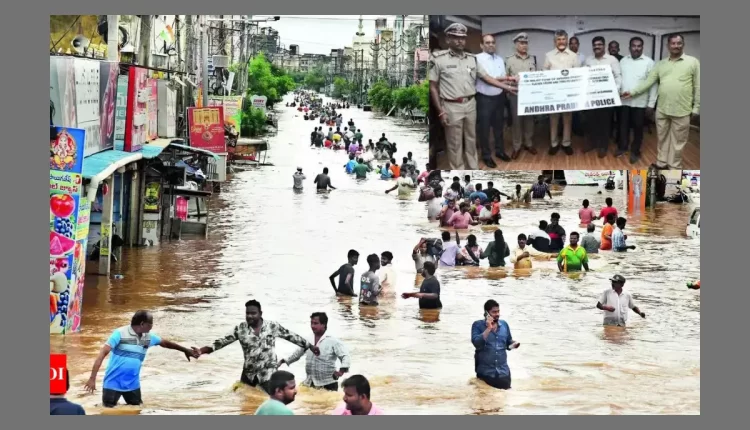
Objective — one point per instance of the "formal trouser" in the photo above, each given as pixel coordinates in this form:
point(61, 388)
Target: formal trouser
point(490, 113)
point(673, 132)
point(554, 120)
point(523, 126)
point(500, 382)
point(615, 131)
point(461, 134)
point(255, 382)
point(631, 117)
point(598, 123)
point(111, 397)
point(578, 123)
point(330, 387)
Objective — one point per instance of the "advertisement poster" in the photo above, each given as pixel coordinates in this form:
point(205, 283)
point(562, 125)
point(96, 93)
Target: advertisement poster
point(87, 75)
point(259, 102)
point(107, 98)
point(152, 132)
point(73, 319)
point(637, 190)
point(151, 201)
point(62, 101)
point(121, 109)
point(207, 129)
point(65, 253)
point(136, 118)
point(181, 208)
point(167, 116)
point(232, 109)
point(74, 98)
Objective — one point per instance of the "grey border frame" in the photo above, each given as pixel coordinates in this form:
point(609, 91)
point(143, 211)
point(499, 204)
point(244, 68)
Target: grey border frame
point(724, 333)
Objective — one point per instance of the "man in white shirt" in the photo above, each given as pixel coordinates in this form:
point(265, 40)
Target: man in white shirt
point(615, 303)
point(635, 69)
point(491, 103)
point(599, 121)
point(561, 58)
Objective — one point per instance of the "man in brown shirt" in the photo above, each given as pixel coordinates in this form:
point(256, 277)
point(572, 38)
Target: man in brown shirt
point(523, 126)
point(599, 121)
point(453, 73)
point(561, 58)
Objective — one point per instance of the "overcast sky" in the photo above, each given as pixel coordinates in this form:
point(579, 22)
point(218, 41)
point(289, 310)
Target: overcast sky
point(318, 34)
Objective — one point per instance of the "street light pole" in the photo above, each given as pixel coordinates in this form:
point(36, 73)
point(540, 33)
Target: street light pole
point(204, 60)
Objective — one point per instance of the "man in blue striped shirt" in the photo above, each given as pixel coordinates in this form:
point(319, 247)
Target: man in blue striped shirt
point(128, 346)
point(619, 238)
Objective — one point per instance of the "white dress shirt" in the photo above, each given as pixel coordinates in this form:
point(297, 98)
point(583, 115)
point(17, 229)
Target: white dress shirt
point(635, 71)
point(611, 62)
point(495, 67)
point(622, 303)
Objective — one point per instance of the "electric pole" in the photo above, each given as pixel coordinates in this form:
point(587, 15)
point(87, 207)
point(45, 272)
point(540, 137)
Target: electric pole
point(204, 59)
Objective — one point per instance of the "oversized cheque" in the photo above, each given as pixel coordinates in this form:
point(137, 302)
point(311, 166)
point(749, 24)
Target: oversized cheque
point(557, 91)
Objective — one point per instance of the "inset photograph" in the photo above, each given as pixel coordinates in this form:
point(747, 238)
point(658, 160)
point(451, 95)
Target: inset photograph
point(564, 92)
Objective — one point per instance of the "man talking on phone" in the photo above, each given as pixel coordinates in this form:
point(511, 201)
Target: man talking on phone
point(492, 340)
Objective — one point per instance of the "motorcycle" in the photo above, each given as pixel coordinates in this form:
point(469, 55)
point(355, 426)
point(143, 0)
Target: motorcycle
point(117, 243)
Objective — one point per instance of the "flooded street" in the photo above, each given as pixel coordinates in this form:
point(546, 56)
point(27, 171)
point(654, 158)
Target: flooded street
point(278, 247)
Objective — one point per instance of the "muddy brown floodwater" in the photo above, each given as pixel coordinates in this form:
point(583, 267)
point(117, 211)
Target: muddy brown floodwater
point(279, 247)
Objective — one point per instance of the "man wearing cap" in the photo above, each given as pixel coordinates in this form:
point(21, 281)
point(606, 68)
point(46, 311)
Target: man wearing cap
point(491, 103)
point(523, 126)
point(615, 303)
point(561, 58)
point(453, 74)
point(298, 178)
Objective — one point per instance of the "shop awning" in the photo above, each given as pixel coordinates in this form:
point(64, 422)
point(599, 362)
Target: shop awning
point(101, 165)
point(156, 147)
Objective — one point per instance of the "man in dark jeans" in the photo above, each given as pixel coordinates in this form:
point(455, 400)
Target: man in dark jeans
point(599, 121)
point(635, 67)
point(129, 345)
point(491, 104)
point(492, 340)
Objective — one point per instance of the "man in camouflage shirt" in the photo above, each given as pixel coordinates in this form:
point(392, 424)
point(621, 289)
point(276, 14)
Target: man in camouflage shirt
point(258, 340)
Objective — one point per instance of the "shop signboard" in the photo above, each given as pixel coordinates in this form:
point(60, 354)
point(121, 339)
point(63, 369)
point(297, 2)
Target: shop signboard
point(207, 128)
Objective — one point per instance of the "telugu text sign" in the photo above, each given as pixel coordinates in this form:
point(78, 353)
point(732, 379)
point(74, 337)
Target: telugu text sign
point(569, 90)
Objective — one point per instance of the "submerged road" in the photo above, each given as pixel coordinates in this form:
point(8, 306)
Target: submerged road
point(278, 247)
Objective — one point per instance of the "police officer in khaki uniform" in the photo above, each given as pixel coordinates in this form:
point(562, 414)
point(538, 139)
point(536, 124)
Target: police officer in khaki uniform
point(523, 126)
point(453, 74)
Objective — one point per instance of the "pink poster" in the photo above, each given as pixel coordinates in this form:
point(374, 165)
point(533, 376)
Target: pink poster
point(181, 208)
point(136, 120)
point(153, 110)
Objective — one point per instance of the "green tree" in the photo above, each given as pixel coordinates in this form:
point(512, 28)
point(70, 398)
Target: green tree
point(253, 120)
point(265, 79)
point(314, 79)
point(406, 98)
point(341, 88)
point(424, 95)
point(380, 96)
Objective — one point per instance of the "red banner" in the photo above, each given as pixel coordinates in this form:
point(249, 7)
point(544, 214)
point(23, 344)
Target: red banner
point(57, 374)
point(136, 115)
point(207, 128)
